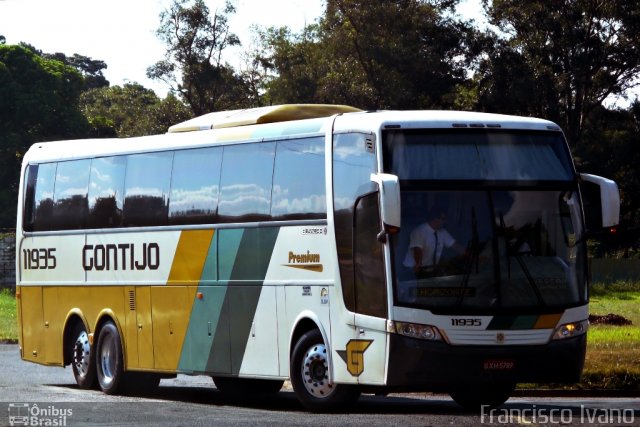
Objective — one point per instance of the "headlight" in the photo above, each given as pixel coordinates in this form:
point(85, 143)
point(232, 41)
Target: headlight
point(414, 330)
point(569, 330)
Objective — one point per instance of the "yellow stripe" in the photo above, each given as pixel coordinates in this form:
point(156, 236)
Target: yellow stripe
point(172, 305)
point(547, 321)
point(311, 267)
point(190, 257)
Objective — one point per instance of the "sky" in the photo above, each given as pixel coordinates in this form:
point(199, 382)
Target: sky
point(122, 32)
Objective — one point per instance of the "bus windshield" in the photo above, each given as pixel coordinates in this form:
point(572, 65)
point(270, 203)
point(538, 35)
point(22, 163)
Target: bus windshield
point(501, 232)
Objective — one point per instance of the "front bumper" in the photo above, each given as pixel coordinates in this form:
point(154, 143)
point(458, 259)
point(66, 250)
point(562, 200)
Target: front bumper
point(427, 365)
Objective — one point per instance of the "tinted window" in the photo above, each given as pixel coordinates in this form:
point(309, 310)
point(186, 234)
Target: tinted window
point(45, 182)
point(146, 194)
point(352, 168)
point(477, 155)
point(195, 186)
point(245, 185)
point(106, 192)
point(28, 213)
point(298, 180)
point(70, 195)
point(353, 164)
point(370, 286)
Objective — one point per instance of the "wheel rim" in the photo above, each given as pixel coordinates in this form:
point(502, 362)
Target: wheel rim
point(315, 372)
point(108, 359)
point(82, 354)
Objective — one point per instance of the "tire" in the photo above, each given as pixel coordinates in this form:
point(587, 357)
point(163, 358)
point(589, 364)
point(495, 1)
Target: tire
point(309, 372)
point(474, 397)
point(82, 362)
point(109, 361)
point(243, 387)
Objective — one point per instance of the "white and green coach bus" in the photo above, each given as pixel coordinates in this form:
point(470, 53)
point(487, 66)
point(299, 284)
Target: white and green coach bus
point(271, 244)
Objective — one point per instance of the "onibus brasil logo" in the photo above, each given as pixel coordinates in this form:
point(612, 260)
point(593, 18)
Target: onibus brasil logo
point(32, 414)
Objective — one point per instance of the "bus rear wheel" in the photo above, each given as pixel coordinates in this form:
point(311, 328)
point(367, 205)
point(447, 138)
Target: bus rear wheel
point(109, 361)
point(82, 363)
point(309, 373)
point(474, 397)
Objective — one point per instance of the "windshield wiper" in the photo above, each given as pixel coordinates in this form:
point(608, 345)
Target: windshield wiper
point(473, 252)
point(523, 265)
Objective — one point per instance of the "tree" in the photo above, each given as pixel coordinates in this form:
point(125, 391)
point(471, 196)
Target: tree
point(613, 152)
point(392, 54)
point(130, 110)
point(580, 50)
point(90, 69)
point(193, 64)
point(509, 84)
point(38, 102)
point(293, 65)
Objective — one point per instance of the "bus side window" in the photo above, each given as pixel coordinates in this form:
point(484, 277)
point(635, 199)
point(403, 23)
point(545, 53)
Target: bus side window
point(298, 180)
point(370, 286)
point(195, 186)
point(106, 192)
point(70, 206)
point(29, 207)
point(43, 203)
point(146, 192)
point(352, 168)
point(245, 182)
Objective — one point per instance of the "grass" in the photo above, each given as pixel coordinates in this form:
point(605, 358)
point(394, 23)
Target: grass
point(613, 352)
point(8, 316)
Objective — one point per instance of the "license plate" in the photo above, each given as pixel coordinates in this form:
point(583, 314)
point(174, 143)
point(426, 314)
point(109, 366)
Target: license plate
point(499, 365)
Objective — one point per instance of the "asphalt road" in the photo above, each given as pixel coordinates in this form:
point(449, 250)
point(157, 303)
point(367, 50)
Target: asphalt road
point(39, 395)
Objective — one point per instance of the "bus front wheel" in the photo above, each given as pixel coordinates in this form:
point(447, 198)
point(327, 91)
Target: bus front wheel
point(473, 397)
point(82, 364)
point(109, 361)
point(310, 376)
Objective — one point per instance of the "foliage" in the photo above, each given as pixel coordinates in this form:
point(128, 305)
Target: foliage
point(90, 69)
point(38, 102)
point(611, 149)
point(130, 110)
point(193, 64)
point(395, 54)
point(569, 58)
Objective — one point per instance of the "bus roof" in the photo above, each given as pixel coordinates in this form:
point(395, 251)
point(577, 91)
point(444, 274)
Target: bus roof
point(438, 119)
point(261, 115)
point(277, 121)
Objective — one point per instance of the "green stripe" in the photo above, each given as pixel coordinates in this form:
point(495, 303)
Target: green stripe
point(251, 264)
point(525, 322)
point(221, 321)
point(203, 323)
point(512, 322)
point(501, 322)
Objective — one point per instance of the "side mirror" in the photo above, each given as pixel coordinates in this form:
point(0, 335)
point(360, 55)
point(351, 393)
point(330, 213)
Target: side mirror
point(609, 209)
point(389, 199)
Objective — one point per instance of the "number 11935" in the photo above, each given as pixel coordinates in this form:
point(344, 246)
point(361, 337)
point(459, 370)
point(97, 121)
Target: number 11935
point(39, 259)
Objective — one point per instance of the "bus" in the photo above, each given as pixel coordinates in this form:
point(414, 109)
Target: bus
point(279, 243)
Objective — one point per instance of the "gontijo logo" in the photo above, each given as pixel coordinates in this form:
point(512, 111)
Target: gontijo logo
point(305, 261)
